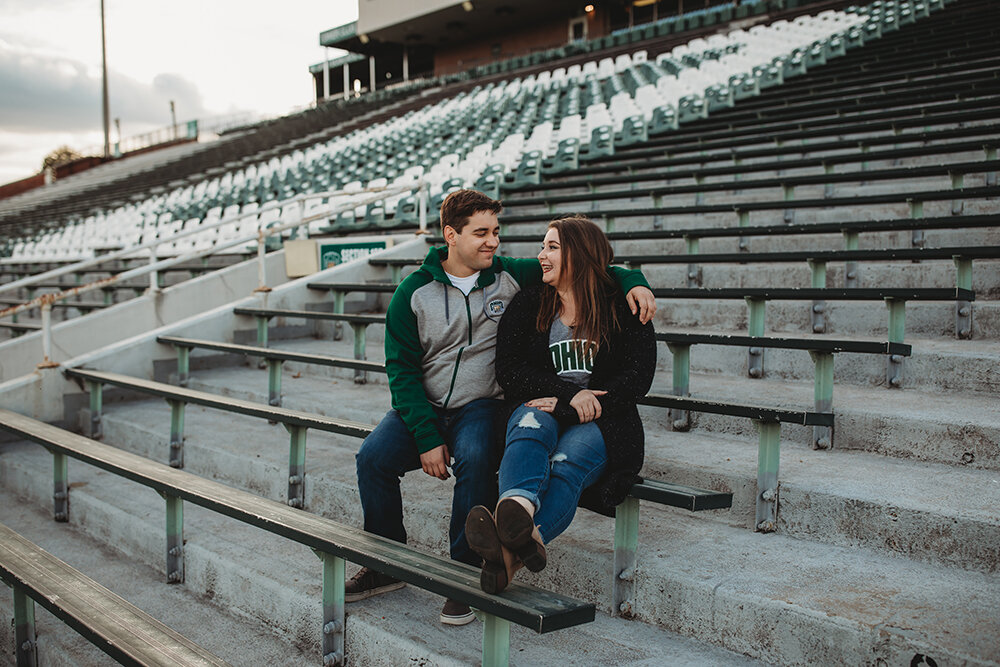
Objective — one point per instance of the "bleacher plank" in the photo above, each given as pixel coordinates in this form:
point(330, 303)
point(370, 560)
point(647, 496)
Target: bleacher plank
point(123, 631)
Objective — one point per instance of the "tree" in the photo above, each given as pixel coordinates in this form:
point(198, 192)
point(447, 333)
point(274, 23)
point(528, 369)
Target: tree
point(60, 156)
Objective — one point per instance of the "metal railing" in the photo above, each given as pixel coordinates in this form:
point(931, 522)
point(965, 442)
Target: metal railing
point(45, 301)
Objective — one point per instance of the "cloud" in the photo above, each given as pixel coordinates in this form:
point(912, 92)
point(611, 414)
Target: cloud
point(46, 92)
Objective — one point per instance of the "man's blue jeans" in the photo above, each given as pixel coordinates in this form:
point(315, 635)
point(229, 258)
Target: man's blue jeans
point(550, 466)
point(389, 452)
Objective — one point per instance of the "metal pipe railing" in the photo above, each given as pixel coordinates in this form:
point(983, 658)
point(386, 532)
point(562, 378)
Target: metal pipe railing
point(45, 301)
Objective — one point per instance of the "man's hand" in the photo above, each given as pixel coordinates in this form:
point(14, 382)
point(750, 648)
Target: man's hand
point(435, 462)
point(640, 299)
point(587, 407)
point(547, 404)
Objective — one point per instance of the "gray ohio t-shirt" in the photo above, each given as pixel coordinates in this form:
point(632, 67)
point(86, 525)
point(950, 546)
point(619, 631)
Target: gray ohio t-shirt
point(573, 358)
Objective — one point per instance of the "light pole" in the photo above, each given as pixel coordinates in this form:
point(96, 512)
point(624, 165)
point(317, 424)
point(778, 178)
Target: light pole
point(107, 114)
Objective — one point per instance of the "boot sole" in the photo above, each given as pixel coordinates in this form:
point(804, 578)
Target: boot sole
point(514, 529)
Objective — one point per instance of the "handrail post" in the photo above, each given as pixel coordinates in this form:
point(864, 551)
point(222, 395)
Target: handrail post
point(296, 466)
point(496, 641)
point(154, 284)
point(24, 628)
point(680, 420)
point(897, 329)
point(626, 545)
point(767, 476)
point(823, 391)
point(176, 433)
point(175, 539)
point(60, 487)
point(96, 401)
point(333, 608)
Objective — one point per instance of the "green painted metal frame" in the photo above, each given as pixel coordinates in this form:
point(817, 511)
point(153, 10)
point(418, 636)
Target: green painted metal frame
point(623, 585)
point(176, 458)
point(768, 455)
point(496, 641)
point(175, 538)
point(818, 311)
point(680, 420)
point(917, 213)
point(25, 646)
point(963, 309)
point(851, 273)
point(823, 392)
point(957, 183)
point(360, 331)
point(60, 487)
point(788, 194)
point(991, 154)
point(897, 331)
point(274, 367)
point(338, 307)
point(96, 390)
point(262, 321)
point(756, 318)
point(296, 465)
point(334, 619)
point(694, 272)
point(183, 364)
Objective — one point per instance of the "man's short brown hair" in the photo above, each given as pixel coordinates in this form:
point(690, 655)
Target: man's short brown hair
point(460, 205)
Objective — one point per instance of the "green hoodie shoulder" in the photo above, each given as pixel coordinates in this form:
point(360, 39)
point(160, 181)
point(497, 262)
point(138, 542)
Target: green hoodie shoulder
point(440, 345)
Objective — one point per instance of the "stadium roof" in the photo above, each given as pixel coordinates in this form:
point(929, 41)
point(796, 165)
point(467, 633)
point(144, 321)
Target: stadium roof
point(451, 25)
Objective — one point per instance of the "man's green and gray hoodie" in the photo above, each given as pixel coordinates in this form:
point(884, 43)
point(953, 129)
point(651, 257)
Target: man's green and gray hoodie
point(440, 345)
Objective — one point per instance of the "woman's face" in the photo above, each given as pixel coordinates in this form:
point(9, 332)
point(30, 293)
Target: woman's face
point(551, 259)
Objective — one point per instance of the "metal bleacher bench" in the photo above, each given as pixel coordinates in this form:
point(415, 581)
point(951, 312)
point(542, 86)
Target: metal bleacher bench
point(332, 542)
point(627, 516)
point(109, 622)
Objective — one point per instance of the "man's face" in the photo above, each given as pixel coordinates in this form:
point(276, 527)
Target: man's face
point(474, 247)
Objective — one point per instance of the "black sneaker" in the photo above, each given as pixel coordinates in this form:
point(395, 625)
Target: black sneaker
point(456, 613)
point(368, 582)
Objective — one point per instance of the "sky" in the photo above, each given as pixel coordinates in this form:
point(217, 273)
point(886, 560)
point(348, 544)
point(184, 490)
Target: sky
point(211, 57)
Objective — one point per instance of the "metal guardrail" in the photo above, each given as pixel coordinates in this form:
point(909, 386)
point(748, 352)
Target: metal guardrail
point(45, 301)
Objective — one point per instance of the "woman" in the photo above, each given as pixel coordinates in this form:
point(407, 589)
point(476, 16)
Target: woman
point(572, 361)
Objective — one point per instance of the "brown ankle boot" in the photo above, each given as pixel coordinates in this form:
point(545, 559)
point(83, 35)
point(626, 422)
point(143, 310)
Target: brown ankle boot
point(499, 564)
point(517, 532)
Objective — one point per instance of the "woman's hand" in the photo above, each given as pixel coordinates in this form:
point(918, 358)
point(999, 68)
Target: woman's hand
point(587, 407)
point(547, 404)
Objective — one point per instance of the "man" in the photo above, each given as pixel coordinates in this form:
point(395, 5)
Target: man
point(440, 337)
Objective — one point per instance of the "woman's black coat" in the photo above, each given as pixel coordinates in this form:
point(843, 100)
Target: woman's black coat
point(624, 367)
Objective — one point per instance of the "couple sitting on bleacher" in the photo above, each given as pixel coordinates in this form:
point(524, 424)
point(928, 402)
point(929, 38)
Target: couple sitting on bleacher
point(569, 356)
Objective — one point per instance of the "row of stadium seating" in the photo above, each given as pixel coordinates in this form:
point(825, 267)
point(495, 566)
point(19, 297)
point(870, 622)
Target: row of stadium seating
point(495, 133)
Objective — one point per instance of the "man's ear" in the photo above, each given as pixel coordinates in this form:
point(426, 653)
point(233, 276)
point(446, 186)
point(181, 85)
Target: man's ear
point(449, 234)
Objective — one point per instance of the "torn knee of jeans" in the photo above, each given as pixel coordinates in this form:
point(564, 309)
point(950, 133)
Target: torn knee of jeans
point(557, 457)
point(529, 421)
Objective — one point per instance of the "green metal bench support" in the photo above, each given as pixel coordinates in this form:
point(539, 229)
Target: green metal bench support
point(626, 546)
point(334, 572)
point(991, 154)
point(338, 307)
point(767, 476)
point(496, 641)
point(274, 367)
point(26, 648)
point(176, 458)
point(743, 221)
point(897, 330)
point(823, 390)
point(60, 487)
point(963, 309)
point(818, 310)
point(96, 400)
point(917, 213)
point(296, 465)
point(175, 538)
point(851, 267)
point(756, 317)
point(788, 194)
point(262, 330)
point(360, 329)
point(957, 183)
point(694, 273)
point(184, 364)
point(680, 420)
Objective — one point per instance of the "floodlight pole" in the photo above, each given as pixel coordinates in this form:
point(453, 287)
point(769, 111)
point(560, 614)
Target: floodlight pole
point(107, 114)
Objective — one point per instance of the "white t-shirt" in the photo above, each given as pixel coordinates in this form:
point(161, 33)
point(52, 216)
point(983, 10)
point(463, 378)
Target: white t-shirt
point(465, 284)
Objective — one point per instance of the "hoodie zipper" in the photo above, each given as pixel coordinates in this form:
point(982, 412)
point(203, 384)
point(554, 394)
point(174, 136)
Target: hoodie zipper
point(458, 359)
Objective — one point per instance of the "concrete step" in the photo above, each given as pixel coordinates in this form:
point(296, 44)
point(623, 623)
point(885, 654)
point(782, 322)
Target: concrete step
point(271, 587)
point(718, 453)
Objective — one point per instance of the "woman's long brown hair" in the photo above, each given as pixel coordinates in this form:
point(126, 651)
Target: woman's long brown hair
point(586, 254)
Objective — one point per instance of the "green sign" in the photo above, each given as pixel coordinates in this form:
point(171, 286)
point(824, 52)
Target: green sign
point(332, 254)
